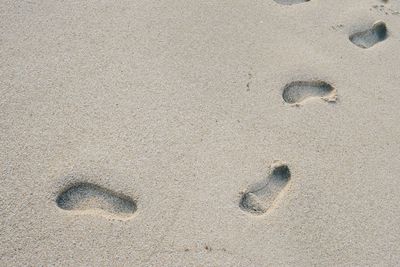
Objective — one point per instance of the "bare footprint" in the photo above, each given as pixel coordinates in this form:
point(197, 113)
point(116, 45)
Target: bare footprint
point(259, 198)
point(299, 91)
point(290, 2)
point(90, 198)
point(370, 37)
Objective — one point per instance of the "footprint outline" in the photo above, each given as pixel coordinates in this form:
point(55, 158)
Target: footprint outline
point(300, 91)
point(83, 197)
point(370, 37)
point(260, 197)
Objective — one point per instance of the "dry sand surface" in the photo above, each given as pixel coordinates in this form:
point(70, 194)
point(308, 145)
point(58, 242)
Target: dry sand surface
point(200, 133)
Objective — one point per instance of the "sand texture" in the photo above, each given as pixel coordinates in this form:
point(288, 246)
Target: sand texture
point(200, 133)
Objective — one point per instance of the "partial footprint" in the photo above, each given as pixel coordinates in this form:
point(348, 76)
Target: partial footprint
point(90, 198)
point(370, 37)
point(290, 2)
point(299, 91)
point(261, 196)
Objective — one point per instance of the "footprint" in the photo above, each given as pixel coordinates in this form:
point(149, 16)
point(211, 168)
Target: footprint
point(299, 91)
point(370, 37)
point(290, 2)
point(259, 198)
point(90, 198)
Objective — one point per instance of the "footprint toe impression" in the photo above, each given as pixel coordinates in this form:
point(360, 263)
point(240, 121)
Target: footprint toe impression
point(91, 198)
point(299, 91)
point(290, 2)
point(370, 37)
point(260, 197)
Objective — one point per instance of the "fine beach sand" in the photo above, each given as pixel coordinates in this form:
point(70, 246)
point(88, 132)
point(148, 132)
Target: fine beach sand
point(200, 133)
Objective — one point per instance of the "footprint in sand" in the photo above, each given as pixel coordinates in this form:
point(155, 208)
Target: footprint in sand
point(370, 37)
point(90, 198)
point(290, 2)
point(299, 91)
point(259, 198)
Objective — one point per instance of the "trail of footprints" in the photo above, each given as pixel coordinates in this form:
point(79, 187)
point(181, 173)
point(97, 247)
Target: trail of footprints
point(257, 199)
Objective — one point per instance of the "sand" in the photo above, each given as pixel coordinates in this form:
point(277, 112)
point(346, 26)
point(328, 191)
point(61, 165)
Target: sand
point(158, 133)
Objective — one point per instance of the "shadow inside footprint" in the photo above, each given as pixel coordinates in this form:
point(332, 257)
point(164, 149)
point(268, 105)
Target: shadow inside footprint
point(299, 91)
point(91, 198)
point(370, 37)
point(260, 197)
point(290, 2)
